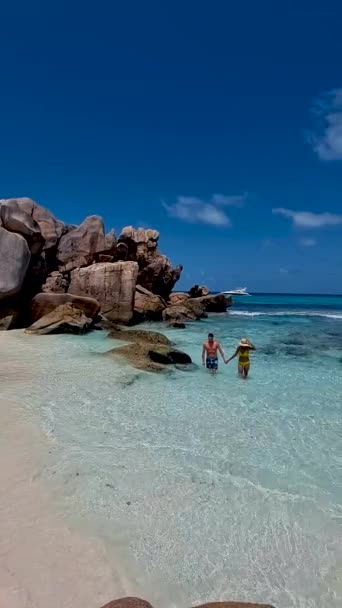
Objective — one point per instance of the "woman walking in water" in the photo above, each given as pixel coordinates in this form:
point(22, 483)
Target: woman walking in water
point(242, 351)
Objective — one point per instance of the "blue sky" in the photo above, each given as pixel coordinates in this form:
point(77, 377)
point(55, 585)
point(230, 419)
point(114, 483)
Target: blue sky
point(219, 123)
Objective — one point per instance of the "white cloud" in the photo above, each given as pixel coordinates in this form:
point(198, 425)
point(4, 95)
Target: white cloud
point(229, 201)
point(199, 211)
point(326, 140)
point(307, 242)
point(307, 219)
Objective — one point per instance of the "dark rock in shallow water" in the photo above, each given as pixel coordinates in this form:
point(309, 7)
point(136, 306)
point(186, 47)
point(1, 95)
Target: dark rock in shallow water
point(169, 357)
point(154, 359)
point(138, 335)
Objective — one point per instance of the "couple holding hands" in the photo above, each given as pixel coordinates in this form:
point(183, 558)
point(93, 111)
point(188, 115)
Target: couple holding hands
point(210, 360)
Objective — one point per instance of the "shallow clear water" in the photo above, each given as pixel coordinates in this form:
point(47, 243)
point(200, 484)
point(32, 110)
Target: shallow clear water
point(221, 488)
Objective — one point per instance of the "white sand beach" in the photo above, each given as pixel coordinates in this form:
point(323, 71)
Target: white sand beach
point(43, 561)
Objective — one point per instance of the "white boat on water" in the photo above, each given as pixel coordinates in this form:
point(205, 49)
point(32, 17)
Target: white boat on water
point(241, 291)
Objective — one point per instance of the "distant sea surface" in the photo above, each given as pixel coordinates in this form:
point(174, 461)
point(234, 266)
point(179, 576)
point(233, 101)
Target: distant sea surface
point(221, 488)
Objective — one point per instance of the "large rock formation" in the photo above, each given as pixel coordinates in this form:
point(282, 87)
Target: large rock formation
point(45, 303)
point(178, 314)
point(156, 272)
point(147, 305)
point(81, 246)
point(112, 285)
point(39, 253)
point(66, 318)
point(159, 276)
point(215, 303)
point(51, 229)
point(14, 262)
point(177, 297)
point(183, 308)
point(15, 219)
point(141, 244)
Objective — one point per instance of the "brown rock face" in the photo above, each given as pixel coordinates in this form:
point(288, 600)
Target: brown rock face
point(197, 307)
point(112, 285)
point(217, 303)
point(189, 309)
point(197, 291)
point(45, 303)
point(141, 244)
point(148, 357)
point(55, 283)
point(139, 335)
point(159, 276)
point(201, 306)
point(15, 219)
point(178, 314)
point(81, 246)
point(66, 318)
point(177, 298)
point(51, 229)
point(156, 272)
point(14, 262)
point(147, 305)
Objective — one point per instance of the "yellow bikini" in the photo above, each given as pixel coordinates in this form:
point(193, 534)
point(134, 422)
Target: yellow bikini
point(244, 356)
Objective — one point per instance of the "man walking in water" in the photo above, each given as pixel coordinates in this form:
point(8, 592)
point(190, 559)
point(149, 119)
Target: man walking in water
point(209, 354)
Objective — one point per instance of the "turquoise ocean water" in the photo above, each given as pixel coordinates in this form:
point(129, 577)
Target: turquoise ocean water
point(220, 488)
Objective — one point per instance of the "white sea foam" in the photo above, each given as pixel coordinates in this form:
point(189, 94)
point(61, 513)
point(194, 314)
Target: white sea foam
point(287, 313)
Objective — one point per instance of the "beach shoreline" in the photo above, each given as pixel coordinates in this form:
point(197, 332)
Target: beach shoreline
point(143, 486)
point(43, 560)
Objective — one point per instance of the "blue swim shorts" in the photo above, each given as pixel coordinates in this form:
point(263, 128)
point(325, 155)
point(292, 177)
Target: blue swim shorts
point(212, 363)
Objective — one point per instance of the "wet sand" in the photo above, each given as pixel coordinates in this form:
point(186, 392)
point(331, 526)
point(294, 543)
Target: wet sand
point(43, 562)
